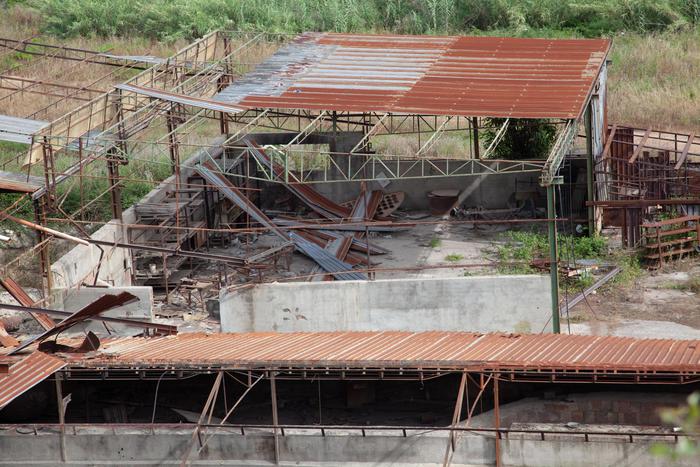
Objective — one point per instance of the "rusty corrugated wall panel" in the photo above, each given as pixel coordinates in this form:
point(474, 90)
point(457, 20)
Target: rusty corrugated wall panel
point(26, 374)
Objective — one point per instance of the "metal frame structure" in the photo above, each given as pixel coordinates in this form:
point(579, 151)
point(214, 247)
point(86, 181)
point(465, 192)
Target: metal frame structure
point(160, 113)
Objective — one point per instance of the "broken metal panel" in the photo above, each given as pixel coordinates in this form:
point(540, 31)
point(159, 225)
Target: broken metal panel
point(305, 193)
point(26, 374)
point(6, 340)
point(19, 130)
point(326, 260)
point(100, 305)
point(180, 98)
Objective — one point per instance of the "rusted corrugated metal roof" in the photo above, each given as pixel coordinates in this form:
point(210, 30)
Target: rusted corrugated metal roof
point(401, 350)
point(26, 374)
point(469, 76)
point(14, 182)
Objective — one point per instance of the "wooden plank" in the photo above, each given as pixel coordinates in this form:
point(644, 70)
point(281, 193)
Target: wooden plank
point(676, 220)
point(608, 143)
point(640, 146)
point(684, 153)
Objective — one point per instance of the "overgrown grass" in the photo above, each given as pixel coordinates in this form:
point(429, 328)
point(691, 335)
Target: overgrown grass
point(523, 246)
point(169, 19)
point(434, 242)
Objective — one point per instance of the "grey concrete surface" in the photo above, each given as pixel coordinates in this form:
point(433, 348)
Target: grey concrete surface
point(165, 446)
point(479, 303)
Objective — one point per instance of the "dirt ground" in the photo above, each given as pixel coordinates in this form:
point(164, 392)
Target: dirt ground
point(655, 296)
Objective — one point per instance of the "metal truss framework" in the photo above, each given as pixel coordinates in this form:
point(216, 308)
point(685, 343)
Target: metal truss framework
point(159, 114)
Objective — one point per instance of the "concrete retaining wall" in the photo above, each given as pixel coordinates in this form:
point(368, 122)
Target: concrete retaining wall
point(480, 303)
point(145, 447)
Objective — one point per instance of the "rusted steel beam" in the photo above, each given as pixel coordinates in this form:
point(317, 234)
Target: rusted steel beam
point(640, 203)
point(23, 298)
point(47, 230)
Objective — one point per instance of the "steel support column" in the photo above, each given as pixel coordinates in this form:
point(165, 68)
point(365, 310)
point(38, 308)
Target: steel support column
point(589, 170)
point(553, 264)
point(115, 191)
point(275, 419)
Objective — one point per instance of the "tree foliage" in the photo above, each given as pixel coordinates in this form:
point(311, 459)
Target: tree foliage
point(523, 139)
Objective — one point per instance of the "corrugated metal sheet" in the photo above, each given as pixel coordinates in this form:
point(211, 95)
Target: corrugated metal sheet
point(324, 259)
point(469, 76)
point(19, 130)
point(180, 99)
point(404, 350)
point(26, 374)
point(137, 58)
point(19, 183)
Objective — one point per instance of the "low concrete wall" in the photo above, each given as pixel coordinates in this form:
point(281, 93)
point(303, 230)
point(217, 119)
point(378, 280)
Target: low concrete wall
point(161, 446)
point(480, 303)
point(123, 446)
point(80, 263)
point(142, 309)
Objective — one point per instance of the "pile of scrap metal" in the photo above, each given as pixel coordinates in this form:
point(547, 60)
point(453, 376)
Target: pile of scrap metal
point(336, 237)
point(92, 311)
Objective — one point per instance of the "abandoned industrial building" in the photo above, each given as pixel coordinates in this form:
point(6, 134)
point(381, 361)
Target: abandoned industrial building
point(279, 295)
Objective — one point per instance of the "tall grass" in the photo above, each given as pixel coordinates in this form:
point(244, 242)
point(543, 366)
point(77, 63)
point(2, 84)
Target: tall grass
point(169, 19)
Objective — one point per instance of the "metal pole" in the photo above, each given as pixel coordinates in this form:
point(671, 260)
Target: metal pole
point(275, 419)
point(553, 265)
point(475, 124)
point(589, 171)
point(497, 419)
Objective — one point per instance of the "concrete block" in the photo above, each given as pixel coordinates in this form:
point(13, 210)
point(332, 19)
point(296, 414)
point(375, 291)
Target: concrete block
point(478, 303)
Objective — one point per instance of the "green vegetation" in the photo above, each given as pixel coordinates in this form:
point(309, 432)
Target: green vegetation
point(523, 139)
point(523, 246)
point(435, 242)
point(454, 257)
point(171, 19)
point(688, 418)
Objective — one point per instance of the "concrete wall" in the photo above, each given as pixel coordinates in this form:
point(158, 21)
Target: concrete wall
point(479, 303)
point(142, 309)
point(161, 446)
point(80, 263)
point(630, 408)
point(487, 191)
